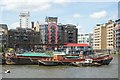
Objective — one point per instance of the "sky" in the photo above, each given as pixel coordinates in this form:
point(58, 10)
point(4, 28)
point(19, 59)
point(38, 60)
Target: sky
point(85, 15)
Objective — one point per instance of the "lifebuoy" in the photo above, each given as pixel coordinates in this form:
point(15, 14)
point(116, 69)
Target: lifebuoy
point(88, 60)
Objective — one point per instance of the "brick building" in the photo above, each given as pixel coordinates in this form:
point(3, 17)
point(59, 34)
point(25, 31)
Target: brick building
point(23, 38)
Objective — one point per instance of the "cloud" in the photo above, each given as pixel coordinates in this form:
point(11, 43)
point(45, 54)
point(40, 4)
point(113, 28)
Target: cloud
point(77, 15)
point(99, 15)
point(62, 2)
point(14, 25)
point(115, 16)
point(80, 29)
point(29, 5)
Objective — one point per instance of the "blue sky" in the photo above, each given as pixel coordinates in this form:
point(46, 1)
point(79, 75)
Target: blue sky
point(85, 15)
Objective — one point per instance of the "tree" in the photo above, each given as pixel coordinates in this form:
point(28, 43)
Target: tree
point(1, 48)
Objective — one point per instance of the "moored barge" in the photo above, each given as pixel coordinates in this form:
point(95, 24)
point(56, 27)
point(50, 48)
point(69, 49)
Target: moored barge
point(94, 60)
point(59, 59)
point(28, 58)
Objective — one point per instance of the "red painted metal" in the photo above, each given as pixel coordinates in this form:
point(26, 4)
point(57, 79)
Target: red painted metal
point(75, 44)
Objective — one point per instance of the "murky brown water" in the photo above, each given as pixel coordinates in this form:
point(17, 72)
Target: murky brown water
point(35, 71)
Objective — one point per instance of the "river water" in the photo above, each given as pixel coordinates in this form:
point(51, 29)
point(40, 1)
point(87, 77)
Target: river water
point(35, 71)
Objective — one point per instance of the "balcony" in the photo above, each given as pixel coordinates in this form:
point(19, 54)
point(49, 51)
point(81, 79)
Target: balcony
point(70, 33)
point(17, 34)
point(117, 36)
point(25, 38)
point(117, 32)
point(53, 31)
point(53, 34)
point(117, 41)
point(53, 27)
point(16, 38)
point(70, 41)
point(52, 38)
point(53, 41)
point(25, 34)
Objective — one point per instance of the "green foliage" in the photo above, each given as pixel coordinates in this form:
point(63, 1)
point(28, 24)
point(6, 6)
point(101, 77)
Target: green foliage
point(1, 48)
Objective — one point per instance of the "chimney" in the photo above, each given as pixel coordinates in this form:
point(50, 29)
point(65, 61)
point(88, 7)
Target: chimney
point(32, 24)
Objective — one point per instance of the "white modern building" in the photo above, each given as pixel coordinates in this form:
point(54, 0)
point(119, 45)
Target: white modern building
point(91, 39)
point(24, 19)
point(85, 38)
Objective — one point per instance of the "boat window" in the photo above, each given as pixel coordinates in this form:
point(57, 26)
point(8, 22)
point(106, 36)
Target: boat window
point(99, 55)
point(91, 56)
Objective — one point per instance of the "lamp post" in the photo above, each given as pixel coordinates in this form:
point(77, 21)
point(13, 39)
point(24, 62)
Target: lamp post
point(14, 47)
point(2, 45)
point(109, 51)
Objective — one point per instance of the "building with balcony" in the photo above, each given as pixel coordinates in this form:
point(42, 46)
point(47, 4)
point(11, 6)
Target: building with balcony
point(99, 37)
point(51, 19)
point(86, 38)
point(104, 36)
point(3, 36)
point(50, 33)
point(83, 38)
point(117, 36)
point(110, 34)
point(23, 38)
point(55, 35)
point(91, 39)
point(70, 33)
